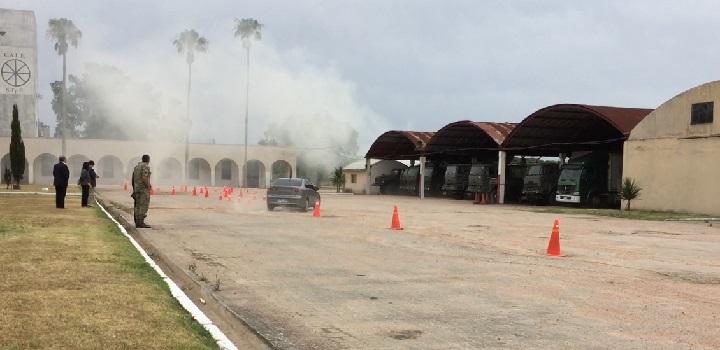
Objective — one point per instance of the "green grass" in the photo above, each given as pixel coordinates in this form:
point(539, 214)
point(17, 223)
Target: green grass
point(616, 213)
point(71, 280)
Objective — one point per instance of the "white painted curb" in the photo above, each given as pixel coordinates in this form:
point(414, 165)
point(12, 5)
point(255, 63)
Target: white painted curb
point(222, 341)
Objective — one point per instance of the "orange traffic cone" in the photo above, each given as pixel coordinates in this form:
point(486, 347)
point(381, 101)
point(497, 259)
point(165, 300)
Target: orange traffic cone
point(206, 192)
point(194, 192)
point(152, 191)
point(395, 224)
point(125, 186)
point(316, 211)
point(201, 190)
point(172, 192)
point(554, 245)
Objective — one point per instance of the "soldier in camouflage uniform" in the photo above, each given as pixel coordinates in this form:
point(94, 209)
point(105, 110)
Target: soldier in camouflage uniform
point(141, 191)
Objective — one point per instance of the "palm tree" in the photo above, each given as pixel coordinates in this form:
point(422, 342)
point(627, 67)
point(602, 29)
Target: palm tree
point(629, 191)
point(248, 29)
point(187, 43)
point(64, 32)
point(338, 179)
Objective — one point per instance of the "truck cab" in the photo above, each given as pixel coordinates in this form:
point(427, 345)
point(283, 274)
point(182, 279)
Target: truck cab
point(482, 178)
point(589, 181)
point(389, 183)
point(456, 180)
point(540, 183)
point(410, 179)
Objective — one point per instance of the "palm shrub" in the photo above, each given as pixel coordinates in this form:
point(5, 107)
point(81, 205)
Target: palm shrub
point(630, 191)
point(17, 149)
point(338, 178)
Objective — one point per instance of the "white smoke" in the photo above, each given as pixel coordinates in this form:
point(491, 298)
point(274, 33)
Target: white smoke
point(286, 89)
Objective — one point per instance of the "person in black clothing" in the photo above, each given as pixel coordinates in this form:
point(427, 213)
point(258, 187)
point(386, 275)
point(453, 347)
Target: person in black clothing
point(61, 174)
point(84, 182)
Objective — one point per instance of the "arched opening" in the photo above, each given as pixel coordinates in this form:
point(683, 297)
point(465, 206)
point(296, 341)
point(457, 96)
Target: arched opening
point(43, 169)
point(5, 164)
point(226, 173)
point(75, 163)
point(255, 174)
point(280, 169)
point(110, 170)
point(198, 172)
point(170, 172)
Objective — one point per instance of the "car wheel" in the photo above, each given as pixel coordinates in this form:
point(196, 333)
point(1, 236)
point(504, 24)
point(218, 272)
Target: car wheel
point(306, 205)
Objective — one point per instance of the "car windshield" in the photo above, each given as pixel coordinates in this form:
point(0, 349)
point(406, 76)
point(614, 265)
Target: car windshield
point(288, 182)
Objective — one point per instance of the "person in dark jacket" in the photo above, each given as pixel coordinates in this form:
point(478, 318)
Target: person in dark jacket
point(61, 174)
point(8, 178)
point(93, 180)
point(84, 182)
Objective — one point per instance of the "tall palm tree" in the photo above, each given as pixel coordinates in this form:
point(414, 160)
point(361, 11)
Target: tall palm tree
point(187, 43)
point(64, 32)
point(248, 29)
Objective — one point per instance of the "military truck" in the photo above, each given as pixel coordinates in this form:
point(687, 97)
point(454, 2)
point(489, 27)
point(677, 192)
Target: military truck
point(592, 179)
point(540, 183)
point(389, 183)
point(482, 179)
point(409, 180)
point(456, 180)
point(434, 178)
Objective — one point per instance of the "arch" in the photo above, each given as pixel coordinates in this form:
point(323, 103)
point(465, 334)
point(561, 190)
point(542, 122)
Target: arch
point(110, 170)
point(281, 168)
point(468, 138)
point(198, 172)
point(397, 144)
point(227, 173)
point(43, 168)
point(169, 171)
point(255, 174)
point(5, 164)
point(75, 163)
point(564, 127)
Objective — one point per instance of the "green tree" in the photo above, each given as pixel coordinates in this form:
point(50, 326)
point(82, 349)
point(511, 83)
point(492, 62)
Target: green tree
point(64, 32)
point(188, 42)
point(338, 179)
point(630, 191)
point(17, 149)
point(248, 29)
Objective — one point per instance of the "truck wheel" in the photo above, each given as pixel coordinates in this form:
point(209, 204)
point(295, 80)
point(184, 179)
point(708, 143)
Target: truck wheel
point(306, 202)
point(270, 207)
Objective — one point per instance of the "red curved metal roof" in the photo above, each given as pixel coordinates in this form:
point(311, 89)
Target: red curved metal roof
point(397, 144)
point(467, 136)
point(567, 124)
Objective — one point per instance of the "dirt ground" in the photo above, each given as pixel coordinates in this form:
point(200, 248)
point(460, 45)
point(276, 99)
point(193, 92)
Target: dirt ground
point(459, 276)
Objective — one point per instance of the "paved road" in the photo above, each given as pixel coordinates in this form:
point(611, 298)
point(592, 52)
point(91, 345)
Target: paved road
point(458, 277)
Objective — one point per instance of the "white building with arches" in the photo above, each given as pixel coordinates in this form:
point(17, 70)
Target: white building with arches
point(208, 164)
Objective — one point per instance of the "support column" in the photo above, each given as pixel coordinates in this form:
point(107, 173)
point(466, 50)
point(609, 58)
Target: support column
point(268, 177)
point(501, 176)
point(368, 179)
point(422, 177)
point(212, 176)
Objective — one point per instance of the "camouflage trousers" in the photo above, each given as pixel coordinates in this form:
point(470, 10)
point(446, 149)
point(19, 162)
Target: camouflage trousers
point(142, 203)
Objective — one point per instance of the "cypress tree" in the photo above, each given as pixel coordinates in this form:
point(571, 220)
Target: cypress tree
point(17, 149)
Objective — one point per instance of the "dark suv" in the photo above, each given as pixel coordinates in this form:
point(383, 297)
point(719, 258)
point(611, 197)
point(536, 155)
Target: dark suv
point(292, 192)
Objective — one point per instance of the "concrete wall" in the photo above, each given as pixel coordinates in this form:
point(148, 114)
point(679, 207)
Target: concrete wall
point(677, 164)
point(121, 157)
point(18, 52)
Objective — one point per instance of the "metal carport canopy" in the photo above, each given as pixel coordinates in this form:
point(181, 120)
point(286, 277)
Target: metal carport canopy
point(399, 145)
point(467, 137)
point(565, 127)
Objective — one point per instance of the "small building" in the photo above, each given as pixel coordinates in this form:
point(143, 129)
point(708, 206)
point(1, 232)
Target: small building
point(674, 154)
point(356, 178)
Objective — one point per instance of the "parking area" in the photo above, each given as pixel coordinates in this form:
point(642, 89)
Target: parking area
point(458, 275)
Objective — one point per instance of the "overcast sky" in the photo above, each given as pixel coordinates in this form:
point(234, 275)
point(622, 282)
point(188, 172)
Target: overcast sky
point(417, 65)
